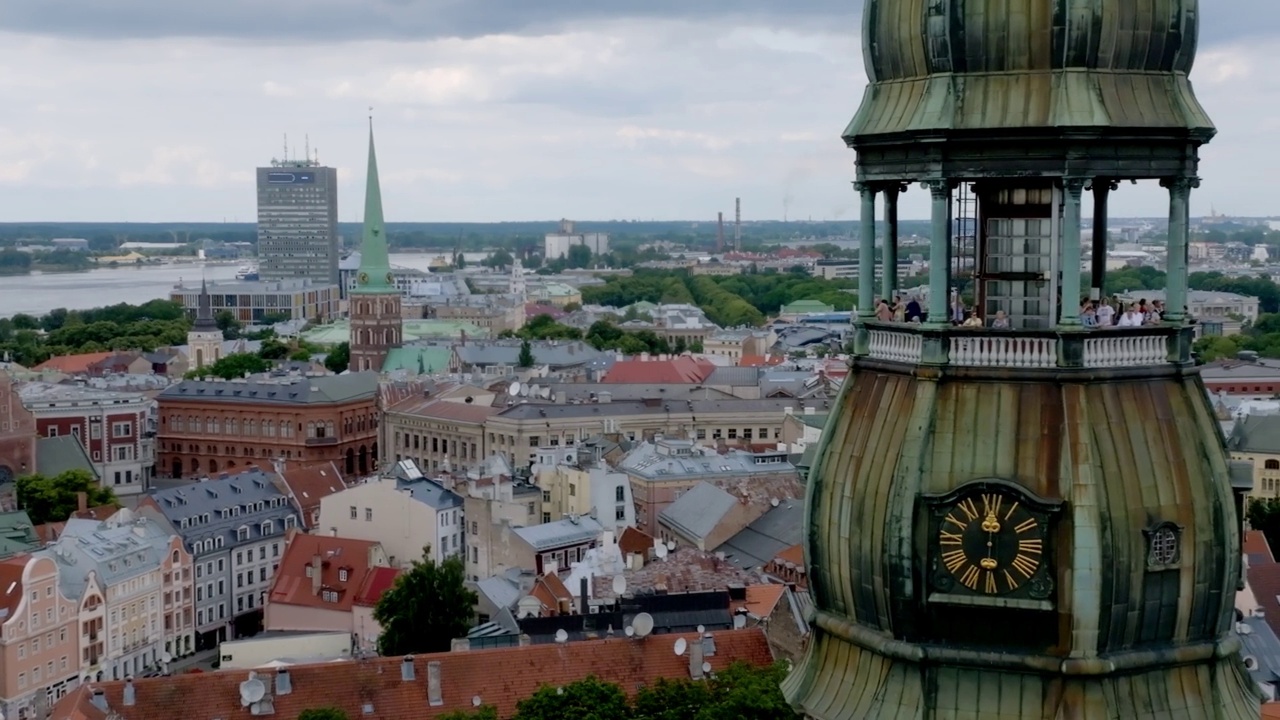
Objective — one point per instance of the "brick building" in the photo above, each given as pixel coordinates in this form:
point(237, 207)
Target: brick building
point(17, 437)
point(212, 426)
point(114, 427)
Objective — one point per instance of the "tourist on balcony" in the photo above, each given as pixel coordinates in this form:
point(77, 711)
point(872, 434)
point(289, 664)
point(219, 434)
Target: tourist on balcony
point(899, 310)
point(1089, 316)
point(974, 321)
point(957, 311)
point(1106, 313)
point(1000, 322)
point(1132, 317)
point(884, 313)
point(914, 312)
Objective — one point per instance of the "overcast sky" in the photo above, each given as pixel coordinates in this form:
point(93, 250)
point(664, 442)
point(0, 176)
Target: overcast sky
point(486, 110)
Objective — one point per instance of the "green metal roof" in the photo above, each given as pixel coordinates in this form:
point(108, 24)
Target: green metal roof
point(424, 360)
point(17, 534)
point(56, 455)
point(374, 277)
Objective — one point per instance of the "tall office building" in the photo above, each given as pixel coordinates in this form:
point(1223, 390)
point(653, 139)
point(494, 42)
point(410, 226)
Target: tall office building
point(298, 221)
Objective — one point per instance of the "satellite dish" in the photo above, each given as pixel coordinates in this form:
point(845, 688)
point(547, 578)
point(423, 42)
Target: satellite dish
point(524, 390)
point(671, 544)
point(630, 631)
point(681, 646)
point(643, 623)
point(774, 502)
point(252, 690)
point(514, 389)
point(706, 667)
point(739, 622)
point(546, 393)
point(562, 636)
point(534, 390)
point(475, 701)
point(660, 551)
point(166, 658)
point(619, 584)
point(702, 629)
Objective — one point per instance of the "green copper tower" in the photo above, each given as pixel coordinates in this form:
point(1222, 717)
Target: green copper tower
point(375, 305)
point(1029, 519)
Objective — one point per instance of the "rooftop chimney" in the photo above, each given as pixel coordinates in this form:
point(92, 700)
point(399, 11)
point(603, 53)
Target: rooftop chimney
point(99, 699)
point(406, 668)
point(82, 501)
point(433, 684)
point(315, 574)
point(129, 697)
point(695, 659)
point(583, 587)
point(284, 684)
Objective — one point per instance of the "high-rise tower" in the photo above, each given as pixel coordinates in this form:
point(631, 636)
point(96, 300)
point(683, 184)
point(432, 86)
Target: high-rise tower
point(298, 221)
point(1036, 520)
point(376, 323)
point(204, 340)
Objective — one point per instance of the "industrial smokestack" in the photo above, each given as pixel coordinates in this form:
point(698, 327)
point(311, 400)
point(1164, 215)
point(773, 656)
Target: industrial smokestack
point(737, 225)
point(719, 232)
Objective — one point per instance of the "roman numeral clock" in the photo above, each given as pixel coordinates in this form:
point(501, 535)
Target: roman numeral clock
point(990, 544)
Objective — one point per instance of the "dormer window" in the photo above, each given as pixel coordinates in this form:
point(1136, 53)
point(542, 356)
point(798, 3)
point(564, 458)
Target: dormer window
point(268, 527)
point(242, 533)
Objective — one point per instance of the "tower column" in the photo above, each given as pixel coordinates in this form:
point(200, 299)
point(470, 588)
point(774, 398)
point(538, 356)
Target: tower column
point(1102, 189)
point(889, 252)
point(1069, 310)
point(939, 251)
point(867, 251)
point(1176, 266)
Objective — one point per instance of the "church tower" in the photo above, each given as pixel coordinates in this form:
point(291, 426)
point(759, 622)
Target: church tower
point(516, 284)
point(204, 341)
point(376, 325)
point(1035, 518)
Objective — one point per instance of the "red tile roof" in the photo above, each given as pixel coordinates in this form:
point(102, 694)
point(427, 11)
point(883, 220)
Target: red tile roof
point(11, 583)
point(438, 409)
point(762, 599)
point(499, 677)
point(1264, 580)
point(552, 593)
point(73, 364)
point(309, 484)
point(533, 310)
point(1255, 543)
point(377, 581)
point(633, 541)
point(760, 360)
point(292, 585)
point(682, 370)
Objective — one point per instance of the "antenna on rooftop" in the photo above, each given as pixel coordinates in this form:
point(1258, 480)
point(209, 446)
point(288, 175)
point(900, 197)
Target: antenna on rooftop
point(306, 147)
point(252, 690)
point(681, 646)
point(514, 389)
point(286, 148)
point(619, 584)
point(562, 636)
point(660, 550)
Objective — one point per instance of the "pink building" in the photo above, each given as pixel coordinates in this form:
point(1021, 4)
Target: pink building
point(39, 645)
point(328, 583)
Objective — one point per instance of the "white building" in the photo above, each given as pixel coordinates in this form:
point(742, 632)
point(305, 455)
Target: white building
point(404, 514)
point(557, 244)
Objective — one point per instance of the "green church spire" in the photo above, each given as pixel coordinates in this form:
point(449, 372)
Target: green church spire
point(375, 266)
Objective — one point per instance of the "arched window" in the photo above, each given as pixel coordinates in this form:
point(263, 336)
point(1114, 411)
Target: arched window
point(311, 429)
point(210, 425)
point(328, 429)
point(1272, 465)
point(233, 427)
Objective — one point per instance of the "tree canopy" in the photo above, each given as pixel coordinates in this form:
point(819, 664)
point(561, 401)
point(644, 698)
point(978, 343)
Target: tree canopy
point(426, 609)
point(339, 358)
point(328, 713)
point(54, 499)
point(526, 355)
point(233, 366)
point(586, 699)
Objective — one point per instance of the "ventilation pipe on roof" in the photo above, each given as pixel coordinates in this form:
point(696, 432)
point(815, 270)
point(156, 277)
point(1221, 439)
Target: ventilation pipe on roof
point(695, 660)
point(130, 696)
point(406, 668)
point(433, 684)
point(284, 683)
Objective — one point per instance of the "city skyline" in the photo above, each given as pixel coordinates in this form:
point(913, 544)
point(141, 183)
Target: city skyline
point(641, 111)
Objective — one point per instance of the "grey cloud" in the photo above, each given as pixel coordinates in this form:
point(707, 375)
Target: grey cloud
point(336, 20)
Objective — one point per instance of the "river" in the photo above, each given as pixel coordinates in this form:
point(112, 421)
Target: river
point(38, 293)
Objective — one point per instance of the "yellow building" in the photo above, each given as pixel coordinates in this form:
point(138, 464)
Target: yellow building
point(1256, 439)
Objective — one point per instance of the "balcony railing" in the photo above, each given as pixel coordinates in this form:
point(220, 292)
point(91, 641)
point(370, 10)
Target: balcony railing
point(312, 442)
point(1031, 350)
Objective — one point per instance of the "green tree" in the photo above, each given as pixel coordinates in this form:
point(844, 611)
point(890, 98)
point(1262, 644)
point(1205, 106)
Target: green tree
point(1264, 514)
point(499, 259)
point(231, 367)
point(672, 700)
point(459, 261)
point(579, 256)
point(587, 699)
point(228, 324)
point(300, 355)
point(426, 609)
point(526, 355)
point(53, 499)
point(273, 349)
point(338, 358)
point(327, 713)
point(743, 692)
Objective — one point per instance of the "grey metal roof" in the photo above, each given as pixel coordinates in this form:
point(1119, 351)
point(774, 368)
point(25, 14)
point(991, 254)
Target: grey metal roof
point(545, 352)
point(238, 494)
point(761, 541)
point(290, 390)
point(734, 377)
point(638, 391)
point(17, 534)
point(56, 455)
point(1256, 434)
point(697, 512)
point(431, 493)
point(672, 459)
point(500, 591)
point(529, 411)
point(1261, 644)
point(560, 533)
point(117, 549)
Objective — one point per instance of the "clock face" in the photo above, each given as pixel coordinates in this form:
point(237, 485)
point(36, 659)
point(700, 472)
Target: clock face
point(990, 542)
point(363, 278)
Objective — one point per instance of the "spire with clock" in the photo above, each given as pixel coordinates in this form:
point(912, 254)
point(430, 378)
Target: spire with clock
point(1027, 516)
point(376, 325)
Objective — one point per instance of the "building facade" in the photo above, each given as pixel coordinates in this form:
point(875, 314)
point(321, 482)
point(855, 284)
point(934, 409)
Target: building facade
point(249, 301)
point(298, 221)
point(212, 426)
point(17, 439)
point(39, 646)
point(204, 340)
point(235, 530)
point(376, 322)
point(556, 245)
point(114, 427)
point(402, 516)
